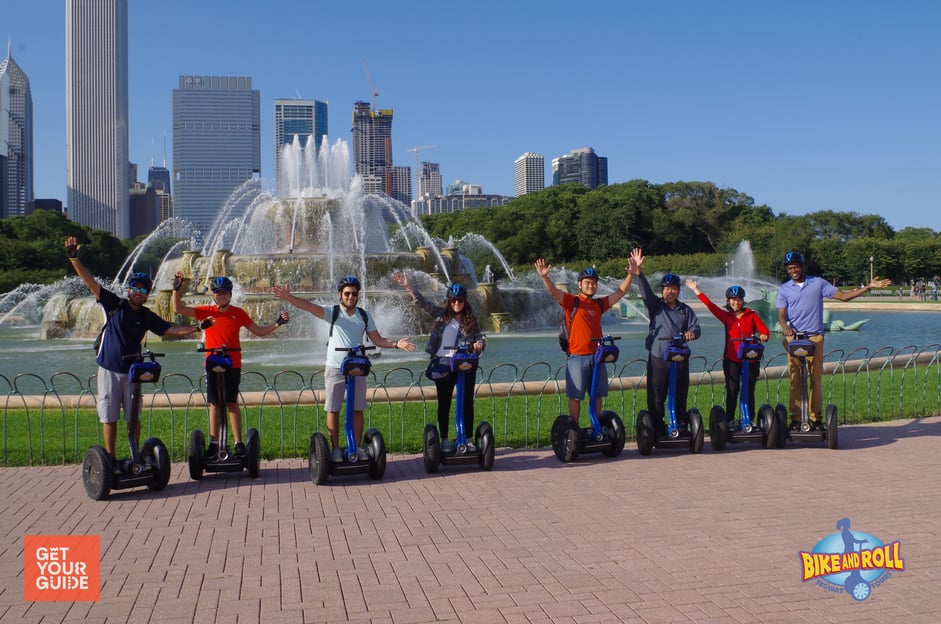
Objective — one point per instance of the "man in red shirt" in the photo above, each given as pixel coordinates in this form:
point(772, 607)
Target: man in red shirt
point(585, 326)
point(222, 322)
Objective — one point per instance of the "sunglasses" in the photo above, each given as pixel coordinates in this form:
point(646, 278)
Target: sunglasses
point(458, 300)
point(138, 289)
point(350, 293)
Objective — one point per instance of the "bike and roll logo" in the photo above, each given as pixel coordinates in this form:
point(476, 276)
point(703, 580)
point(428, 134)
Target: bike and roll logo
point(851, 561)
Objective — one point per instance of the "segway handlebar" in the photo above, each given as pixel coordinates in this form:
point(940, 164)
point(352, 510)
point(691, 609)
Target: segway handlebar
point(360, 349)
point(606, 339)
point(217, 350)
point(143, 355)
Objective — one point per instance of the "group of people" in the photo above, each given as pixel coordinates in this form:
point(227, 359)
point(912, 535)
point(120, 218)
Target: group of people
point(799, 304)
point(800, 313)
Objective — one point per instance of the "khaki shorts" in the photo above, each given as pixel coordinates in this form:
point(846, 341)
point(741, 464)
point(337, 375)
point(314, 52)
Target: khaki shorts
point(335, 390)
point(114, 393)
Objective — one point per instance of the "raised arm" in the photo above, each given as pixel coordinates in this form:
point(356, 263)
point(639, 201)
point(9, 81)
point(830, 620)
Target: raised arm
point(264, 330)
point(624, 286)
point(542, 268)
point(72, 249)
point(284, 293)
point(178, 306)
point(405, 344)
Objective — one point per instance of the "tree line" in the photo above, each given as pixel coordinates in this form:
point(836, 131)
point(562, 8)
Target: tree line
point(693, 228)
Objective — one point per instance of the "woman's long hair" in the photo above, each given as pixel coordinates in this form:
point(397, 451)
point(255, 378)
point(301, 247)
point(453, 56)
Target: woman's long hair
point(469, 324)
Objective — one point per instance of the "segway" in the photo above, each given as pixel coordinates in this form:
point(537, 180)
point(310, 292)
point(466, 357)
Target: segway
point(321, 465)
point(606, 433)
point(224, 460)
point(801, 347)
point(766, 429)
point(675, 435)
point(463, 364)
point(150, 465)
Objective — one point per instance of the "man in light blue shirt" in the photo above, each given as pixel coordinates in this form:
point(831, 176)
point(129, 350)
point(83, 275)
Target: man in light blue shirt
point(348, 324)
point(800, 311)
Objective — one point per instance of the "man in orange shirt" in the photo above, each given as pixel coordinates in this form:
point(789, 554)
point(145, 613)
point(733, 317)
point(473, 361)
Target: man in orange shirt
point(222, 322)
point(584, 327)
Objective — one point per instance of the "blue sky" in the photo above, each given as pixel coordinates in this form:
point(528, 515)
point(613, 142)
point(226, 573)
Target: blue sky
point(803, 105)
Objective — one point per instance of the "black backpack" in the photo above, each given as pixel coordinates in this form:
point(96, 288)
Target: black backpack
point(101, 332)
point(565, 327)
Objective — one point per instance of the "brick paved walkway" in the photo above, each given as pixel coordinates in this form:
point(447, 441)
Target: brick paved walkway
point(666, 538)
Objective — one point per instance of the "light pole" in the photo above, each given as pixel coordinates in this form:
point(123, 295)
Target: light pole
point(870, 269)
point(726, 269)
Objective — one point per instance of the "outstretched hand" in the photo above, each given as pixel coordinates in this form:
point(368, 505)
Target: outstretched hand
point(542, 267)
point(281, 292)
point(692, 285)
point(400, 278)
point(72, 247)
point(636, 260)
point(878, 282)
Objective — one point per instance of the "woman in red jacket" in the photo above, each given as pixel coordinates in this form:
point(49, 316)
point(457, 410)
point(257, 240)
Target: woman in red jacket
point(740, 323)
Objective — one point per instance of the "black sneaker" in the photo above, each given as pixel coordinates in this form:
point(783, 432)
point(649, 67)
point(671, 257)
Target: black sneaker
point(795, 425)
point(239, 448)
point(212, 451)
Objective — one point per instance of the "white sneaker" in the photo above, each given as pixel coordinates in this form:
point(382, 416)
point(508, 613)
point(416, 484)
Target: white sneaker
point(337, 455)
point(471, 448)
point(362, 454)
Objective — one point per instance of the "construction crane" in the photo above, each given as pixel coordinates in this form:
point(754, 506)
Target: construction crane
point(417, 149)
point(372, 87)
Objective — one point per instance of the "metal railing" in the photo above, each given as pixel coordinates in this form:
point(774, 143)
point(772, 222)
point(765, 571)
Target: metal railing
point(53, 420)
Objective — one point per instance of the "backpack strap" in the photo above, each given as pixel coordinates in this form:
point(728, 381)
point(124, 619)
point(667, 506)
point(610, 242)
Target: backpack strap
point(336, 315)
point(572, 314)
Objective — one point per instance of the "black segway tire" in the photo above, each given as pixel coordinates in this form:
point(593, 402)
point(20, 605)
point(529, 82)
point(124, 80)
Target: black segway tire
point(318, 459)
point(197, 455)
point(154, 453)
point(253, 452)
point(780, 414)
point(718, 428)
point(97, 473)
point(696, 432)
point(485, 445)
point(832, 428)
point(614, 426)
point(431, 448)
point(376, 447)
point(769, 426)
point(646, 433)
point(559, 435)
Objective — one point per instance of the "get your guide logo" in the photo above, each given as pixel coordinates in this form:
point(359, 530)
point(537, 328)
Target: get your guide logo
point(61, 568)
point(851, 561)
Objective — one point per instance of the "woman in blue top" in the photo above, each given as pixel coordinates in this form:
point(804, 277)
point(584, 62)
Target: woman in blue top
point(455, 323)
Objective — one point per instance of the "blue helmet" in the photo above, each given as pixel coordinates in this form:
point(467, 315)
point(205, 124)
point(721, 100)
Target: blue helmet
point(139, 280)
point(456, 291)
point(735, 292)
point(589, 273)
point(793, 257)
point(349, 280)
point(220, 283)
point(670, 279)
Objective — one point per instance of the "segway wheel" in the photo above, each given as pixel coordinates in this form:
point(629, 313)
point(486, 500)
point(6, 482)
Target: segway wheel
point(718, 428)
point(431, 448)
point(646, 433)
point(97, 473)
point(780, 414)
point(377, 453)
point(696, 433)
point(832, 424)
point(486, 446)
point(615, 428)
point(769, 426)
point(858, 589)
point(253, 452)
point(318, 459)
point(197, 455)
point(560, 435)
point(154, 453)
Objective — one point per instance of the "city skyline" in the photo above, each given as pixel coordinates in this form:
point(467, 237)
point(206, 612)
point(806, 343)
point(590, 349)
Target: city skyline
point(804, 107)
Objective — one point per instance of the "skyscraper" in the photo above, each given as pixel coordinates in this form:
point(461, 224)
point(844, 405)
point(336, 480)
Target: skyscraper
point(300, 118)
point(372, 148)
point(580, 166)
point(429, 181)
point(216, 145)
point(96, 101)
point(529, 173)
point(16, 138)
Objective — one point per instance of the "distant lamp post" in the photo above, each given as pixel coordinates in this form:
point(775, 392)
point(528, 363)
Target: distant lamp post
point(732, 268)
point(726, 269)
point(870, 268)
